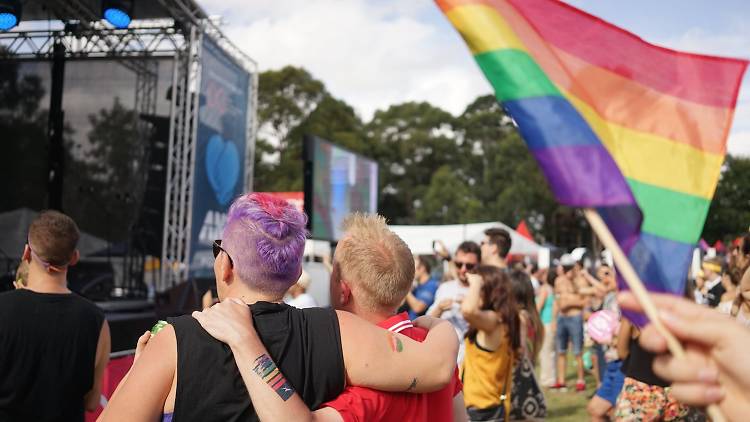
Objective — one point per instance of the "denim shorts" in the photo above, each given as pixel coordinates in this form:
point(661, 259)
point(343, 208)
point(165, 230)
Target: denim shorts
point(569, 328)
point(611, 382)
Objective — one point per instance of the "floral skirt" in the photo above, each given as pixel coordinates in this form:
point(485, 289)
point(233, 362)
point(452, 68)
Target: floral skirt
point(642, 402)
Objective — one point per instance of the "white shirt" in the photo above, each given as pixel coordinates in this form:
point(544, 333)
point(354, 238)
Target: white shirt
point(726, 308)
point(453, 290)
point(302, 301)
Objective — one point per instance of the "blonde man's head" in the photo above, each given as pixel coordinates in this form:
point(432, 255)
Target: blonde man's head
point(375, 262)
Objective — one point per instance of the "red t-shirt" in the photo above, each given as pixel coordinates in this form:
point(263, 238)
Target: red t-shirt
point(363, 404)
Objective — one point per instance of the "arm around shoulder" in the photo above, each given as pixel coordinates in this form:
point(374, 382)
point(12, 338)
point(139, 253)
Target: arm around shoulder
point(379, 359)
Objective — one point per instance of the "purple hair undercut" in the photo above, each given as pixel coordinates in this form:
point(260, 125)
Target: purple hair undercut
point(265, 236)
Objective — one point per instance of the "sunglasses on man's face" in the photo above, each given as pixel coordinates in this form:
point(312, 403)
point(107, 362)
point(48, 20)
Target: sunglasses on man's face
point(469, 266)
point(217, 249)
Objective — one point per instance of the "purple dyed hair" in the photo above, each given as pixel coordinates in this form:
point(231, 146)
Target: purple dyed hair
point(265, 236)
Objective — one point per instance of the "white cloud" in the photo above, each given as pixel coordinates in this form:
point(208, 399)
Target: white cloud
point(370, 54)
point(373, 54)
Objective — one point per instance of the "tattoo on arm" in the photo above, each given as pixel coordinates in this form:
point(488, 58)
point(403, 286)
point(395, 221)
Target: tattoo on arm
point(267, 370)
point(396, 344)
point(413, 385)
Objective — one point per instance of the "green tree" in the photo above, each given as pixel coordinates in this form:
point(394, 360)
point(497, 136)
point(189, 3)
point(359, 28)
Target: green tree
point(410, 141)
point(729, 213)
point(447, 200)
point(503, 175)
point(333, 120)
point(286, 97)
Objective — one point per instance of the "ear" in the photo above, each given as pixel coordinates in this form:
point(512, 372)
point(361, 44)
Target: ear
point(226, 272)
point(346, 293)
point(26, 254)
point(76, 257)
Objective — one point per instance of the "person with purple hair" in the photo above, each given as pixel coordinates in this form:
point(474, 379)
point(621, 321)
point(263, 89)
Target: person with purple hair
point(186, 374)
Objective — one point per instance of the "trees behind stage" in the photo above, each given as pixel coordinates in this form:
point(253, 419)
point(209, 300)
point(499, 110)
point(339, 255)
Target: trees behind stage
point(436, 168)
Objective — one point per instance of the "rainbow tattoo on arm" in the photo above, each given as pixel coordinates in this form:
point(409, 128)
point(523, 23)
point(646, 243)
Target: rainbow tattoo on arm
point(267, 370)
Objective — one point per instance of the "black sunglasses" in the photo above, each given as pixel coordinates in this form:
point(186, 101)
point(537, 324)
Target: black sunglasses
point(469, 266)
point(217, 249)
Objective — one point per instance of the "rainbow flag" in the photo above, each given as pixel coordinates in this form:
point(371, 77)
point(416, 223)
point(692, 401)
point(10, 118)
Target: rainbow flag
point(635, 130)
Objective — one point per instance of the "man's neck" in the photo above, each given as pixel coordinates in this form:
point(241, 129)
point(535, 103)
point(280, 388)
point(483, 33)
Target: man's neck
point(250, 296)
point(372, 316)
point(496, 261)
point(41, 281)
point(424, 278)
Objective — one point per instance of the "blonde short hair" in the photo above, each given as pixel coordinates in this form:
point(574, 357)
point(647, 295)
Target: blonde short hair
point(304, 280)
point(375, 261)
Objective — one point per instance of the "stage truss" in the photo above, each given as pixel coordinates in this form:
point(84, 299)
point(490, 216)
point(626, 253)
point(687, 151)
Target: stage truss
point(179, 38)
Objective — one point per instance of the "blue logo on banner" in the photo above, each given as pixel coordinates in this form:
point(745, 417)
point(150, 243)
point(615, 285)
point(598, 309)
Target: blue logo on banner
point(222, 167)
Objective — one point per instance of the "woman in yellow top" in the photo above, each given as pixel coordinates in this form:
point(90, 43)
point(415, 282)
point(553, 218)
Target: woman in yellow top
point(491, 344)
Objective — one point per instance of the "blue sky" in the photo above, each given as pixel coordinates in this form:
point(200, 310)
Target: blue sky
point(374, 53)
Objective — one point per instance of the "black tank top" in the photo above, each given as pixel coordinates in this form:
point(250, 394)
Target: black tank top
point(304, 343)
point(47, 355)
point(639, 365)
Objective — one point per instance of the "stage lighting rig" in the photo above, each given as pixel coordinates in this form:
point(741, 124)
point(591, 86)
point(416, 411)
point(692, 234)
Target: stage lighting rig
point(118, 12)
point(10, 13)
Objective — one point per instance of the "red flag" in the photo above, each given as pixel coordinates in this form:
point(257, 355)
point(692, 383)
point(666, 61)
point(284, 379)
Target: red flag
point(523, 230)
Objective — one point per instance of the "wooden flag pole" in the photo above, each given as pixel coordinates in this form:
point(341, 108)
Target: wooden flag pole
point(639, 290)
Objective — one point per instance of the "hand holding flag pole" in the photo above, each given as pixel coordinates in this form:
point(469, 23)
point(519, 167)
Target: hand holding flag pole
point(639, 291)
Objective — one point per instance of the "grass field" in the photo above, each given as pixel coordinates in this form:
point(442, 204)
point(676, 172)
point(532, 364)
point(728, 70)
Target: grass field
point(569, 406)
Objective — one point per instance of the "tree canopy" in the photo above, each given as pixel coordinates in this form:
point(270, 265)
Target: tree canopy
point(437, 168)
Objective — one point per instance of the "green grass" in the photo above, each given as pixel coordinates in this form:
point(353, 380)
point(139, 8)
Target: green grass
point(569, 406)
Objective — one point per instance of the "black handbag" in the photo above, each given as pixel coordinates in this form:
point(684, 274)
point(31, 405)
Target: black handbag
point(527, 398)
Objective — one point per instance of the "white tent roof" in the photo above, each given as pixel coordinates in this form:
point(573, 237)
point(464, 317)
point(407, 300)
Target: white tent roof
point(419, 238)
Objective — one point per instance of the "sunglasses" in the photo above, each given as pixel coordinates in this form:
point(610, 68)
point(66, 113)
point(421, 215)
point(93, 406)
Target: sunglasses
point(217, 249)
point(468, 266)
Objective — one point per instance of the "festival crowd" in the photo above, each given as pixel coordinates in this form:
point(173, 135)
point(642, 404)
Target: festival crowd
point(471, 334)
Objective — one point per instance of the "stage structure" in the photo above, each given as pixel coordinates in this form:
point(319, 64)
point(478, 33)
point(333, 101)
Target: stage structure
point(172, 29)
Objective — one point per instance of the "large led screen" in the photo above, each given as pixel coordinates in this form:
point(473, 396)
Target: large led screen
point(337, 183)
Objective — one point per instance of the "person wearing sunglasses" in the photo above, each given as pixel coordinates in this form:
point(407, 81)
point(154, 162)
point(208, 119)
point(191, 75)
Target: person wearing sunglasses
point(450, 294)
point(185, 374)
point(54, 344)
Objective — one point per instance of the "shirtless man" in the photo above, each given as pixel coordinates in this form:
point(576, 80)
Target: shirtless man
point(570, 303)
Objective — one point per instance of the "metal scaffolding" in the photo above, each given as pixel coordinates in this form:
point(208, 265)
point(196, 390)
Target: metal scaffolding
point(178, 35)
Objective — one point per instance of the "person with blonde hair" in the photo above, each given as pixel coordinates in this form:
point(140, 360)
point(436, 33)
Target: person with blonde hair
point(22, 275)
point(314, 352)
point(298, 292)
point(372, 273)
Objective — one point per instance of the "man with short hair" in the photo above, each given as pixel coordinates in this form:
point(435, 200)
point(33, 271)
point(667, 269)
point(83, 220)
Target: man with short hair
point(495, 247)
point(372, 272)
point(570, 303)
point(451, 293)
point(54, 344)
point(318, 351)
point(421, 297)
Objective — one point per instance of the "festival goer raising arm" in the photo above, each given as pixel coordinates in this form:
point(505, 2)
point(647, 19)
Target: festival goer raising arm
point(715, 368)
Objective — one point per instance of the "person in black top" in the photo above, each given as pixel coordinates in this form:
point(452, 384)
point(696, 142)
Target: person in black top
point(185, 374)
point(54, 344)
point(644, 395)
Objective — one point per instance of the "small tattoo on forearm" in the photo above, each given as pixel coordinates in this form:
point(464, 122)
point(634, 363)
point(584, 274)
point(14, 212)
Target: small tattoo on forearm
point(396, 344)
point(267, 370)
point(412, 386)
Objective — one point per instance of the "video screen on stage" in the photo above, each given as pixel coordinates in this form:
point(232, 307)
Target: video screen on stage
point(115, 132)
point(337, 182)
